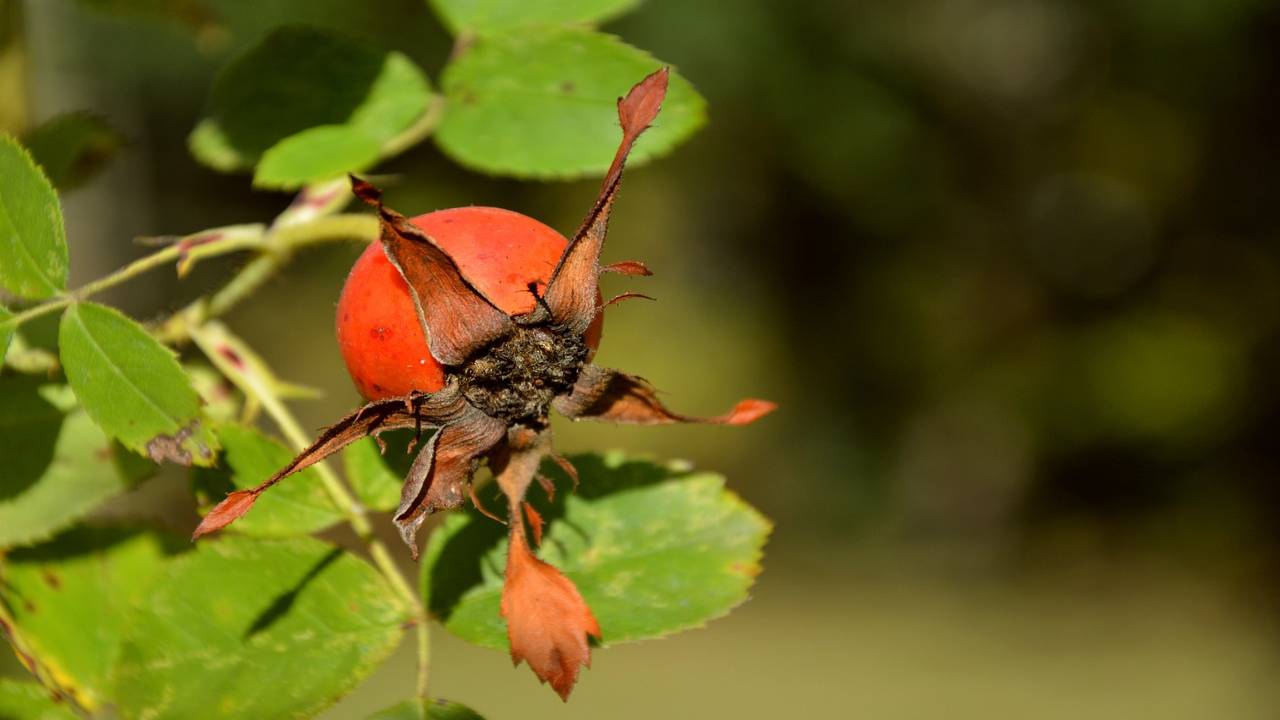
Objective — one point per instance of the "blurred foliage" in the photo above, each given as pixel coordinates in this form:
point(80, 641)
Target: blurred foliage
point(1009, 266)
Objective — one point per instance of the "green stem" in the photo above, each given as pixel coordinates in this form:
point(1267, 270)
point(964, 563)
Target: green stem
point(418, 131)
point(128, 272)
point(278, 250)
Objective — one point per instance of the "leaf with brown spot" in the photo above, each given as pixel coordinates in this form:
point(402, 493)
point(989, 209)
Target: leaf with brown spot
point(613, 396)
point(170, 448)
point(456, 318)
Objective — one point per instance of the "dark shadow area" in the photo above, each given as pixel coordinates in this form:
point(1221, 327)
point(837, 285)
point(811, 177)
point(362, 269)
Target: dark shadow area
point(84, 540)
point(29, 426)
point(318, 81)
point(284, 603)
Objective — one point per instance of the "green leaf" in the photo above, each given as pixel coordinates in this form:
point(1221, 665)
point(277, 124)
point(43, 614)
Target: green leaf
point(73, 147)
point(299, 79)
point(247, 628)
point(132, 386)
point(6, 331)
point(297, 506)
point(543, 105)
point(29, 701)
point(426, 710)
point(57, 466)
point(33, 241)
point(654, 549)
point(377, 486)
point(320, 152)
point(488, 17)
point(70, 600)
point(221, 402)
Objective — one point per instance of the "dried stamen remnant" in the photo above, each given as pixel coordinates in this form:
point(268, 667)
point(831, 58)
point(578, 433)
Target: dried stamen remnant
point(516, 378)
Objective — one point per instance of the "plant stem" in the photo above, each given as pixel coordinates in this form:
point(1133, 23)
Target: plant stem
point(278, 251)
point(133, 269)
point(256, 381)
point(418, 131)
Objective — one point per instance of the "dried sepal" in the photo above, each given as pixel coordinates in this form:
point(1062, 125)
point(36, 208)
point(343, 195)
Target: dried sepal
point(457, 319)
point(571, 293)
point(548, 486)
point(548, 622)
point(633, 268)
point(627, 296)
point(441, 473)
point(235, 505)
point(613, 396)
point(567, 467)
point(535, 522)
point(414, 410)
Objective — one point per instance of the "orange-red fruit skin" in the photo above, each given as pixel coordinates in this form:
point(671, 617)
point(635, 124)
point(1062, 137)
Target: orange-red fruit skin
point(498, 251)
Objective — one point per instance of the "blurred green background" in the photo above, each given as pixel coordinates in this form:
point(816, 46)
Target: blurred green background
point(1010, 267)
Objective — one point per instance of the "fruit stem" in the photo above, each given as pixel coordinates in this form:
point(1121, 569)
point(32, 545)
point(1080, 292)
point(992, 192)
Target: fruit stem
point(252, 377)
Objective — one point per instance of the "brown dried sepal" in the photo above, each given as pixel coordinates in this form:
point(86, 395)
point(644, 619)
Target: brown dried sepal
point(571, 293)
point(613, 396)
point(633, 268)
point(443, 466)
point(456, 318)
point(441, 473)
point(235, 505)
point(548, 622)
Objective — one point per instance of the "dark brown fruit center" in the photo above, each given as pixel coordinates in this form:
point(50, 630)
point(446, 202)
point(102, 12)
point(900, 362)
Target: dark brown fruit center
point(515, 378)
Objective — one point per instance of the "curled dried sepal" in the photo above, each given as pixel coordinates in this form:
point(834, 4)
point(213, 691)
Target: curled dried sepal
point(633, 268)
point(442, 471)
point(236, 504)
point(571, 293)
point(627, 296)
point(567, 467)
point(613, 396)
point(456, 318)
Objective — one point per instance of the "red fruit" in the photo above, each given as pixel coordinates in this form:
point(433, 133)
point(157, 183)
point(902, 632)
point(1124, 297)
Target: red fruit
point(499, 251)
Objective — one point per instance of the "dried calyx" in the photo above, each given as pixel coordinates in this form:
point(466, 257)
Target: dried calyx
point(504, 373)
